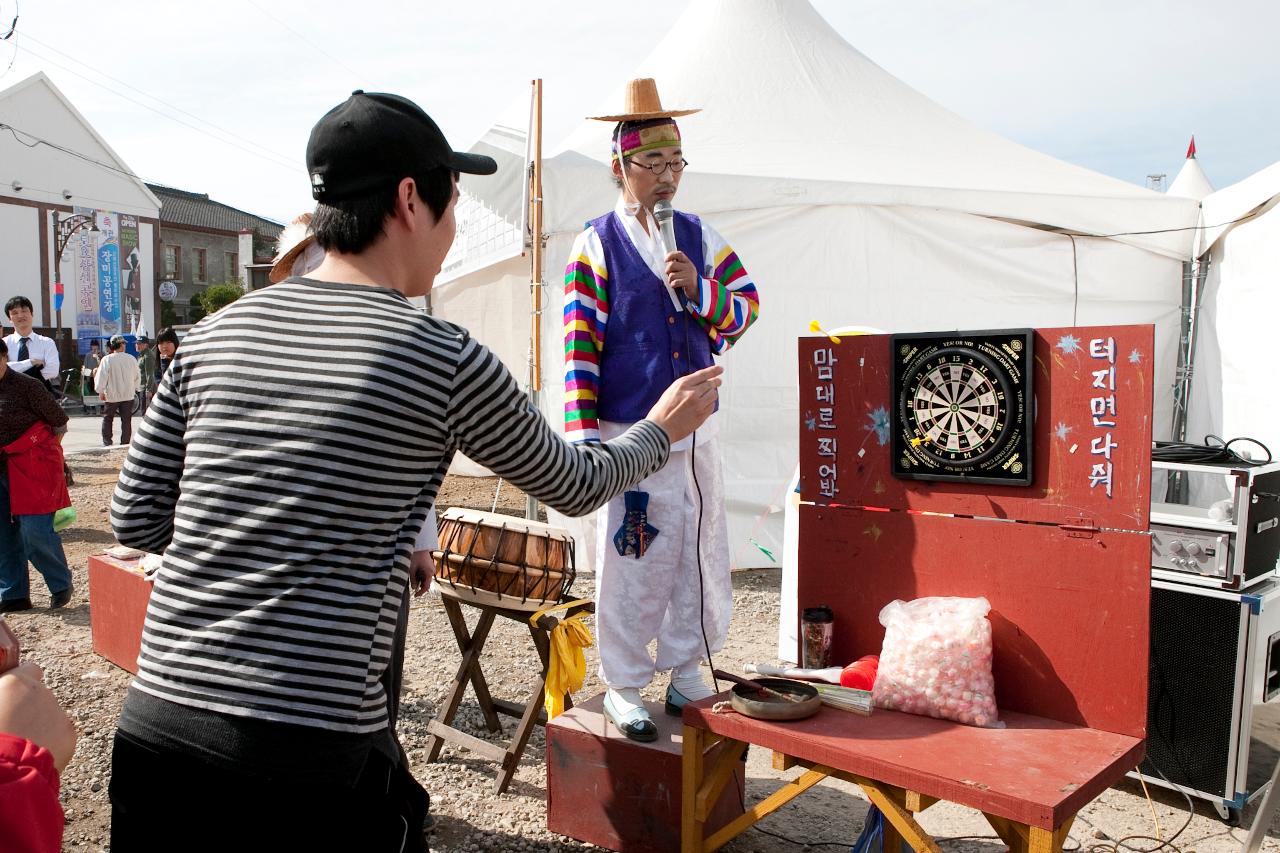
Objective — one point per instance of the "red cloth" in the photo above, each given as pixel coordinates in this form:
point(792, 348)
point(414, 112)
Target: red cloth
point(36, 482)
point(30, 816)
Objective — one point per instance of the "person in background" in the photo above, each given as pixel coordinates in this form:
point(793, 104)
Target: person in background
point(32, 489)
point(118, 383)
point(37, 740)
point(148, 367)
point(33, 354)
point(87, 369)
point(167, 344)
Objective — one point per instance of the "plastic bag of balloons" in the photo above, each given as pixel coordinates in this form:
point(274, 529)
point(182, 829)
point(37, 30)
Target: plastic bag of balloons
point(936, 660)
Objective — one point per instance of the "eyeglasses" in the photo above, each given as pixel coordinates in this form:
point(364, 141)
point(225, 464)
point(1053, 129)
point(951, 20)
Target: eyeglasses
point(675, 166)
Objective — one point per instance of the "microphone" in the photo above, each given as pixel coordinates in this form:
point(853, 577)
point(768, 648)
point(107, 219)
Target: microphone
point(664, 214)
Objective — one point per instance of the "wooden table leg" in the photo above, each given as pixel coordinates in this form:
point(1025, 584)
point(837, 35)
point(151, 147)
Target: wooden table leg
point(467, 641)
point(1046, 840)
point(520, 738)
point(1015, 835)
point(692, 829)
point(468, 671)
point(899, 824)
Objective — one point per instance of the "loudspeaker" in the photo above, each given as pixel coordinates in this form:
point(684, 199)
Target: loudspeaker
point(1208, 667)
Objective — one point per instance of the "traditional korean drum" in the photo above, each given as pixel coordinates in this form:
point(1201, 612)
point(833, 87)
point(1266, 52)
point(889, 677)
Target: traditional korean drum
point(502, 561)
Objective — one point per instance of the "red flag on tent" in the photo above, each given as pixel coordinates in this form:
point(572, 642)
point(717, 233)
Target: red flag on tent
point(1191, 149)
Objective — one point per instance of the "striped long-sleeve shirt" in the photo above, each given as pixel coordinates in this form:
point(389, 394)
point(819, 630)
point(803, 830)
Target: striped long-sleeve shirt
point(727, 305)
point(288, 460)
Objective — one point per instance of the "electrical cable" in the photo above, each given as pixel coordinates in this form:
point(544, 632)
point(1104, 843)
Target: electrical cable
point(13, 27)
point(85, 157)
point(1207, 453)
point(702, 604)
point(307, 41)
point(1244, 218)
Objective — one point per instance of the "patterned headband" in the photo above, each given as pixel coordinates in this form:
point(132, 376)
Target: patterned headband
point(635, 137)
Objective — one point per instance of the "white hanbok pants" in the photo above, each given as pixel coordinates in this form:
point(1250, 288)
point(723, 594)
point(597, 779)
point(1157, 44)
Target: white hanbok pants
point(659, 596)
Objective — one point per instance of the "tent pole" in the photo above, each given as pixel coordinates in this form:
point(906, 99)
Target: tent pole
point(1194, 275)
point(535, 277)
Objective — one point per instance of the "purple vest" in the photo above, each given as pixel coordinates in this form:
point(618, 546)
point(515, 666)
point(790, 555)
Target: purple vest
point(648, 344)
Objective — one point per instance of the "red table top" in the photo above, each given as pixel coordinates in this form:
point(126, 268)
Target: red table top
point(1035, 771)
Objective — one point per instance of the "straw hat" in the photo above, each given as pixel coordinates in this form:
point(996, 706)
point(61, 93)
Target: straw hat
point(641, 102)
point(294, 240)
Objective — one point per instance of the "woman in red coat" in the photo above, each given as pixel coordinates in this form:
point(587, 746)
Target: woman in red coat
point(32, 489)
point(37, 740)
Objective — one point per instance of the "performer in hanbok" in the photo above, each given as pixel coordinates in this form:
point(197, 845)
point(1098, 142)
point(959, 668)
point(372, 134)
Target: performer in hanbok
point(638, 315)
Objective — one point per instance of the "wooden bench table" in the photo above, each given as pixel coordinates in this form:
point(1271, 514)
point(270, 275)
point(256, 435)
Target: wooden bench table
point(1029, 779)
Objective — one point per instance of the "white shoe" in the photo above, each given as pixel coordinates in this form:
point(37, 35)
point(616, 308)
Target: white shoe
point(627, 711)
point(684, 689)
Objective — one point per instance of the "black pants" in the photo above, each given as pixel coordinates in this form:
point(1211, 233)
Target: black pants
point(172, 801)
point(109, 411)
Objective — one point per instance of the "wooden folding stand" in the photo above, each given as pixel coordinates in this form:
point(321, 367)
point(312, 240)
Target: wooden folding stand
point(471, 645)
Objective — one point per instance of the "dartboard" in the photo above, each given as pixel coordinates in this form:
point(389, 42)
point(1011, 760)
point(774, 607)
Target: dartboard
point(963, 406)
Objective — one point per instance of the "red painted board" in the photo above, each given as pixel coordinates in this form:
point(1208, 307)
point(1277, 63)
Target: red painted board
point(1065, 432)
point(1034, 771)
point(1070, 616)
point(619, 794)
point(118, 597)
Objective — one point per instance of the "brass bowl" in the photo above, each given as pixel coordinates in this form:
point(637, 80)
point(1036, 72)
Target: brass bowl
point(760, 706)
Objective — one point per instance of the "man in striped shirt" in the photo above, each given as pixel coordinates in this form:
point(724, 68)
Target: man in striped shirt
point(285, 493)
point(638, 314)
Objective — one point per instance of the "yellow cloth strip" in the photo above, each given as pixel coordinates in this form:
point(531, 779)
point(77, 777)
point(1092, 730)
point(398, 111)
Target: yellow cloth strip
point(568, 666)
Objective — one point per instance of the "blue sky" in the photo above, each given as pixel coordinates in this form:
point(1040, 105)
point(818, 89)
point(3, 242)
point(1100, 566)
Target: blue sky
point(1118, 87)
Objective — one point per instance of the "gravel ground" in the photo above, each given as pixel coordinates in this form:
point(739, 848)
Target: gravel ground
point(470, 816)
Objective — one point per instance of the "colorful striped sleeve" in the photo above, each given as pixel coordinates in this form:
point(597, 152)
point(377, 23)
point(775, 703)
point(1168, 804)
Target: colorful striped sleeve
point(727, 300)
point(586, 311)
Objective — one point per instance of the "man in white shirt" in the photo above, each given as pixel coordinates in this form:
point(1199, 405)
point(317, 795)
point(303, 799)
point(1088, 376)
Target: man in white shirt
point(32, 354)
point(118, 382)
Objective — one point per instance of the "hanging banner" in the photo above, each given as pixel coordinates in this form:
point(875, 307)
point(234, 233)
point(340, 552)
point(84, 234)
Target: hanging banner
point(130, 275)
point(84, 281)
point(108, 273)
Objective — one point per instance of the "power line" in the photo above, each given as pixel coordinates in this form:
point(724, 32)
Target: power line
point(308, 41)
point(85, 157)
point(274, 160)
point(13, 28)
point(158, 100)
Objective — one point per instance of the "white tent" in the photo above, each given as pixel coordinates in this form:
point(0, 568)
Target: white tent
point(1235, 363)
point(852, 199)
point(1191, 181)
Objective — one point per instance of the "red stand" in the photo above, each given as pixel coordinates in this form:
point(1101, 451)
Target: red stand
point(619, 794)
point(118, 596)
point(1065, 564)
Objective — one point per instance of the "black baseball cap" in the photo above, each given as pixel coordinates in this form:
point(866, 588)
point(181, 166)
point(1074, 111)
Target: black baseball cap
point(373, 140)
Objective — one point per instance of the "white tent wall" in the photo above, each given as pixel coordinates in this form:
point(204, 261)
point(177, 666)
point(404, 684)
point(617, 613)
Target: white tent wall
point(493, 305)
point(1234, 371)
point(851, 199)
point(905, 269)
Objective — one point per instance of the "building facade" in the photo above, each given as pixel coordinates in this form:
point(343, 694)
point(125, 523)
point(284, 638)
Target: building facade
point(204, 242)
point(78, 229)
